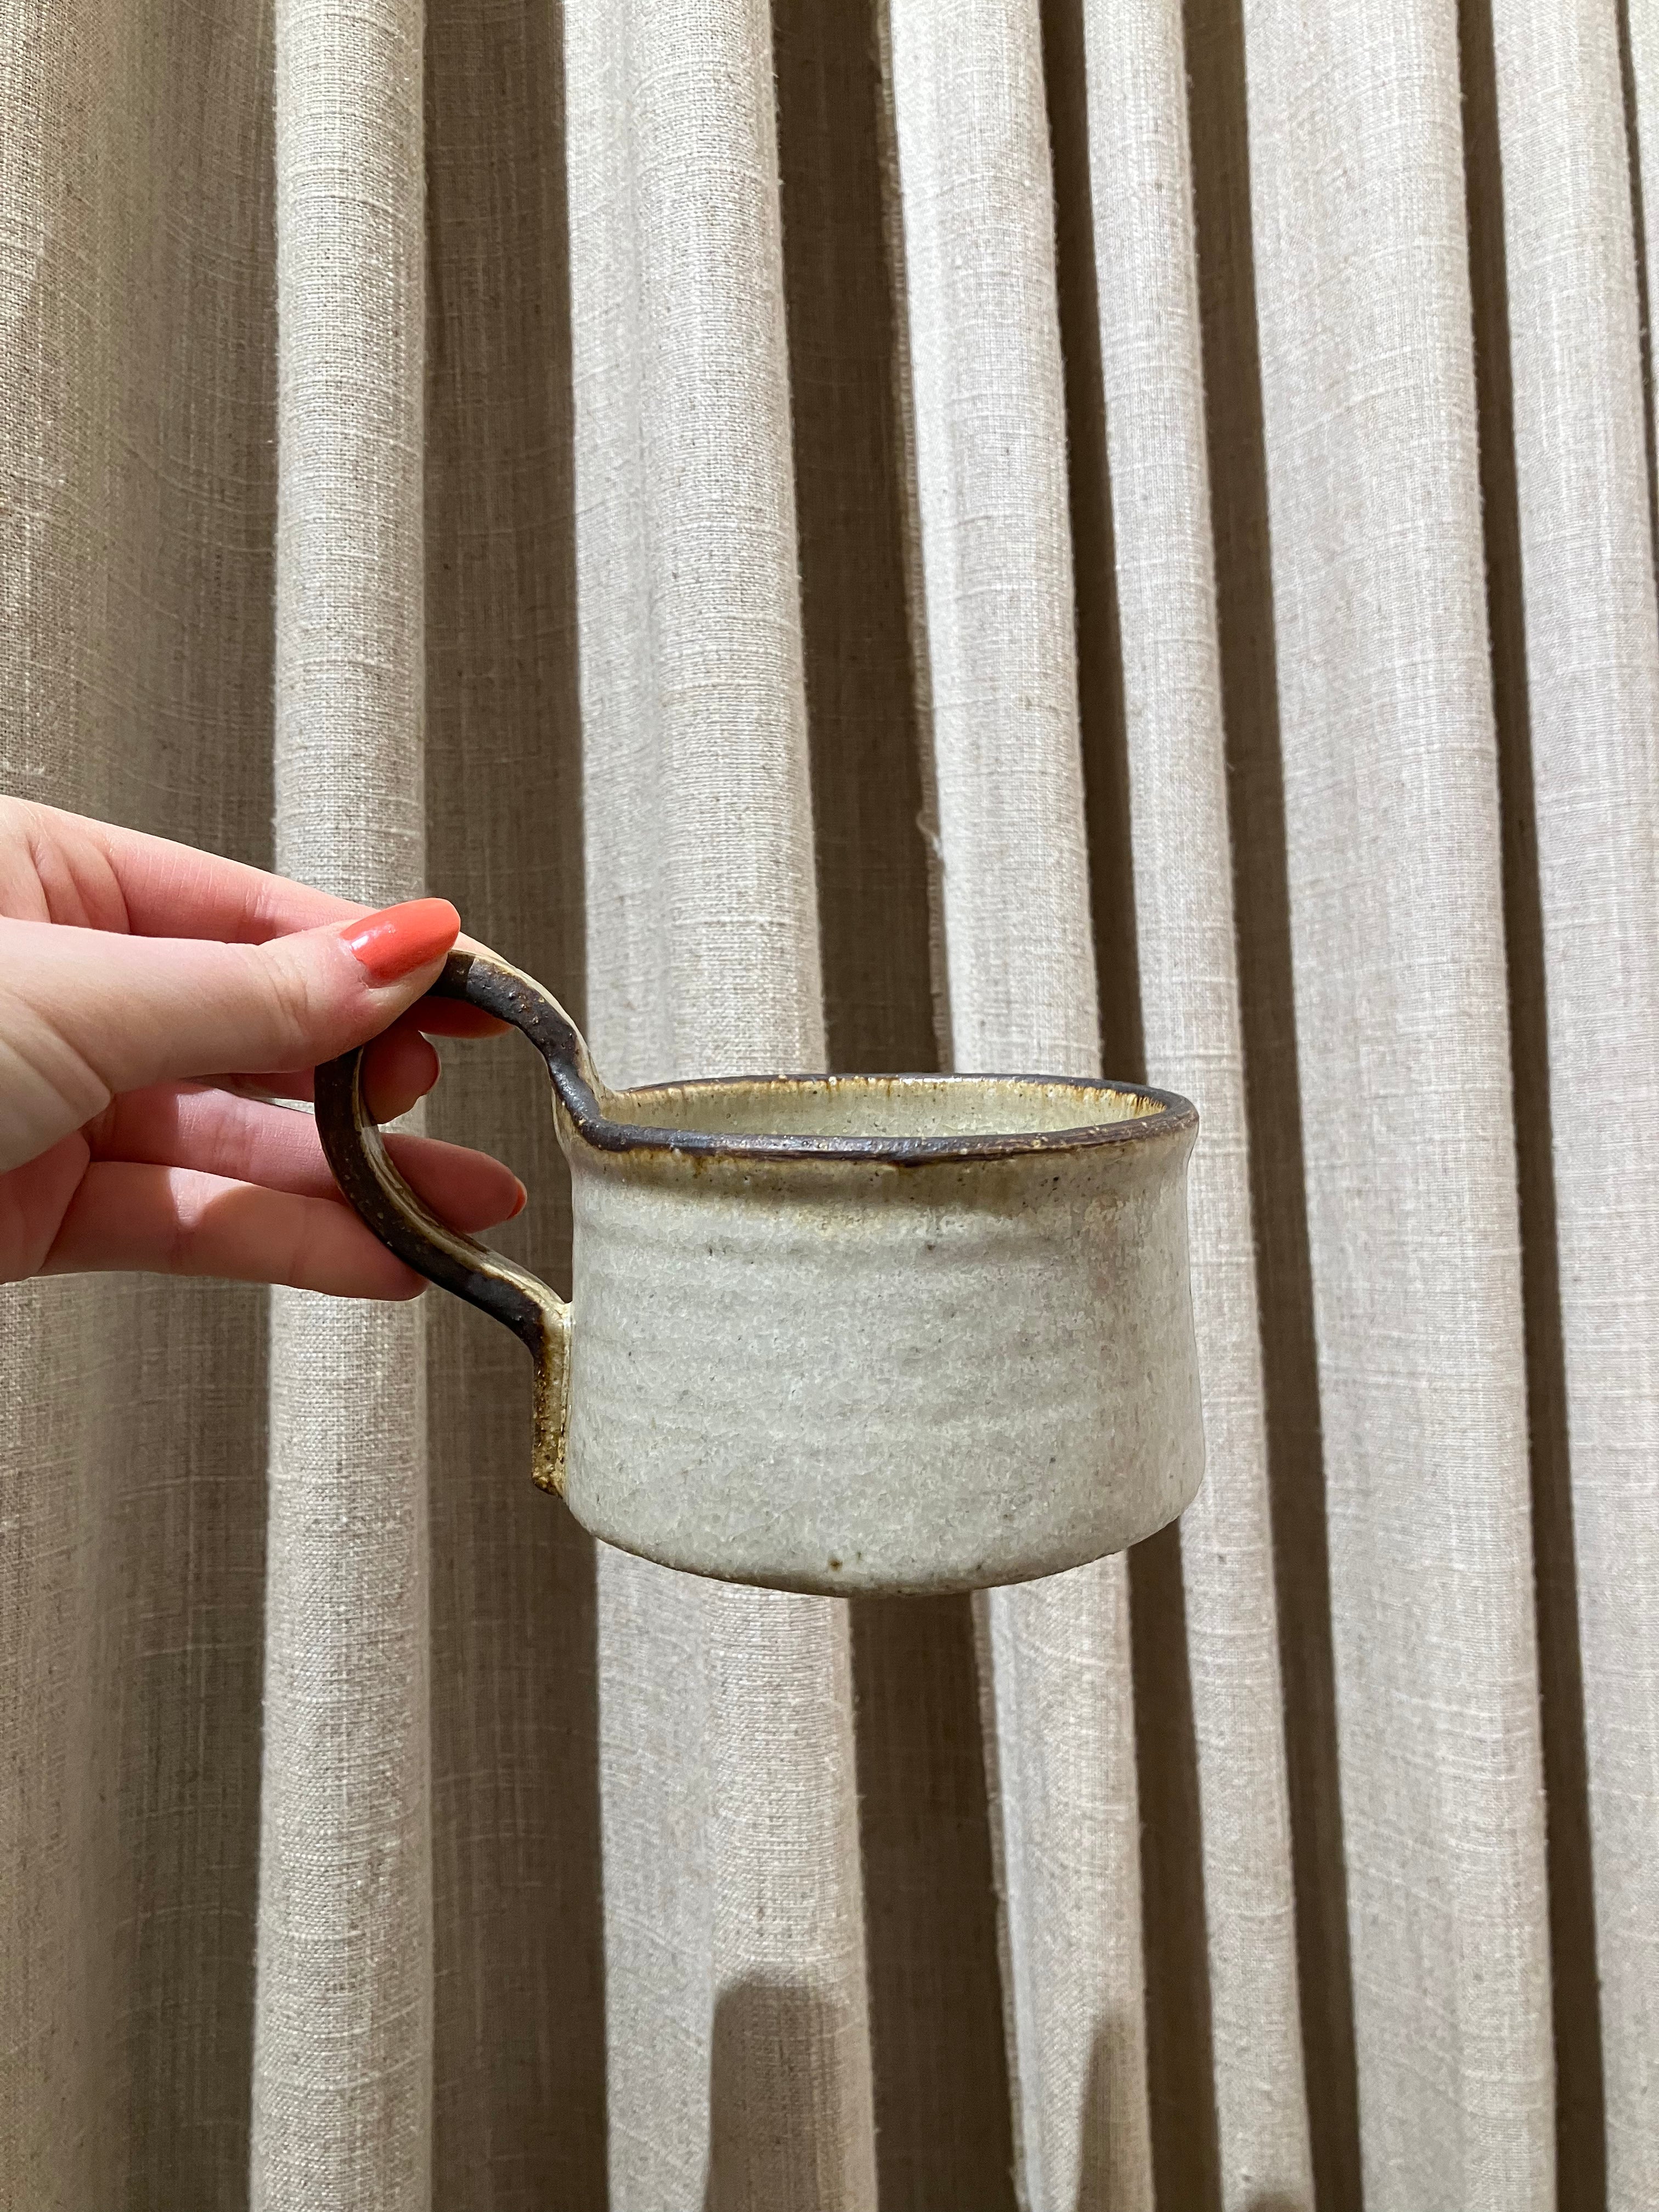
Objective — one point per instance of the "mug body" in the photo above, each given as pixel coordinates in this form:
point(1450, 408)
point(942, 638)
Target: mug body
point(934, 1370)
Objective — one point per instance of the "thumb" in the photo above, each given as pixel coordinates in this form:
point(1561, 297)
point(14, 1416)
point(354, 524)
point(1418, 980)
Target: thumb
point(85, 1014)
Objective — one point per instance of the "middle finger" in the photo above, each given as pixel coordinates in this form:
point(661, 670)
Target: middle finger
point(193, 1126)
point(399, 1066)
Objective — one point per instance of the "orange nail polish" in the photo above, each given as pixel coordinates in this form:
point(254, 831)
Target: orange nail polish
point(398, 940)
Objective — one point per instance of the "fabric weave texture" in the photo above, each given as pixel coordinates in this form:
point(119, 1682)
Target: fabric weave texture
point(876, 534)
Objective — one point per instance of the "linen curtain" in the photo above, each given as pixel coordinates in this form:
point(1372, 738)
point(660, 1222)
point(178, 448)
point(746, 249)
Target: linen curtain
point(884, 534)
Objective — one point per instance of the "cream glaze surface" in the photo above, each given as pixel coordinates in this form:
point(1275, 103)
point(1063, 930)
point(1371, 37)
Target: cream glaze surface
point(846, 1376)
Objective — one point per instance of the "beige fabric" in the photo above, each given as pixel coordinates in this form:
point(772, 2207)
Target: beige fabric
point(1584, 487)
point(518, 1967)
point(342, 2032)
point(990, 445)
point(943, 2126)
point(1391, 834)
point(1152, 388)
point(137, 375)
point(736, 2038)
point(798, 527)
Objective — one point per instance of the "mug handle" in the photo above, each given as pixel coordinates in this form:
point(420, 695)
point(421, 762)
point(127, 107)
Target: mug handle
point(406, 1225)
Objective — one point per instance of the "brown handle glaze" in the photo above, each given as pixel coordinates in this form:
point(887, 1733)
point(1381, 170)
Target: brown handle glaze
point(406, 1225)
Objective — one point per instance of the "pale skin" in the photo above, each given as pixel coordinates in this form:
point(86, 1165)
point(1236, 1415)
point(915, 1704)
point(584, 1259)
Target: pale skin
point(145, 988)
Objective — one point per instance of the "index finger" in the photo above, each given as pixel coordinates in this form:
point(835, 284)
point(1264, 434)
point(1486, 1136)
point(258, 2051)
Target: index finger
point(169, 890)
point(166, 890)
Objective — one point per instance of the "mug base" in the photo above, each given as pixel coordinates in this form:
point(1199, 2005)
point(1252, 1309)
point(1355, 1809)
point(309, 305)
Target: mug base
point(856, 1575)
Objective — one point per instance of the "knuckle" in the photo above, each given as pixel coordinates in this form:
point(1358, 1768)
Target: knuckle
point(298, 1006)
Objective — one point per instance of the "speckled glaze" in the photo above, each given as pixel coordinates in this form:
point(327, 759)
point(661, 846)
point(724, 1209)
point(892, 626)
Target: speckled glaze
point(848, 1334)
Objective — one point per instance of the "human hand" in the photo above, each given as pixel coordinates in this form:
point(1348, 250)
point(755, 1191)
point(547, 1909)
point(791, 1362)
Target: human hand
point(139, 978)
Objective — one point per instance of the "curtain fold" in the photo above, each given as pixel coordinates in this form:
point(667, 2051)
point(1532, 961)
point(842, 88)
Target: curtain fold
point(1583, 715)
point(736, 2039)
point(1164, 940)
point(138, 512)
point(1393, 856)
point(988, 400)
point(1022, 534)
point(519, 1966)
point(342, 2094)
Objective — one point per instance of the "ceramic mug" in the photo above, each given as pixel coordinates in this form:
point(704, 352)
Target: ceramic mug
point(844, 1334)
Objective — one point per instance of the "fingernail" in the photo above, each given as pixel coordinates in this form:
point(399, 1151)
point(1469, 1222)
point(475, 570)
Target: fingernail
point(523, 1200)
point(398, 940)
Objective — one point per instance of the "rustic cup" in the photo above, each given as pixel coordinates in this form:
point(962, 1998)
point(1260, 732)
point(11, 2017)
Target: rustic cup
point(850, 1334)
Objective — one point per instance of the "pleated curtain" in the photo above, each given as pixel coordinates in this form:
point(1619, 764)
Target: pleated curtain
point(881, 534)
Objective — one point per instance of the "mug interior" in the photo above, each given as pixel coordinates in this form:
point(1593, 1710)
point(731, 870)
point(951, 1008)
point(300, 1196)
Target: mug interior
point(882, 1106)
